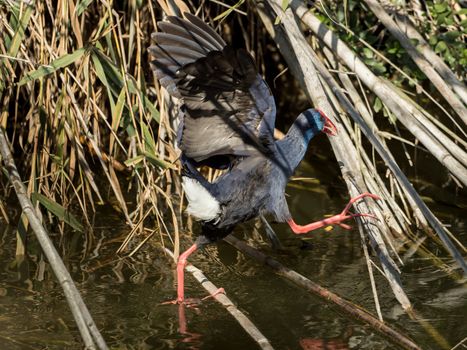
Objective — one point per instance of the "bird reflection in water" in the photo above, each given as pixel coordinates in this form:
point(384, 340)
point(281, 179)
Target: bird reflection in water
point(195, 339)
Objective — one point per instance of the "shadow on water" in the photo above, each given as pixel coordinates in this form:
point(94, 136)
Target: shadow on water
point(125, 296)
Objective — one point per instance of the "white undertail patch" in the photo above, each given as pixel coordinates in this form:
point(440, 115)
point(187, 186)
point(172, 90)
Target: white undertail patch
point(201, 204)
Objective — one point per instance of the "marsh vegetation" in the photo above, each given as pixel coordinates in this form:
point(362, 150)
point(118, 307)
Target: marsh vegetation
point(92, 135)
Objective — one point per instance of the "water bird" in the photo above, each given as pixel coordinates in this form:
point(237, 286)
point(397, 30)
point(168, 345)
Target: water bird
point(228, 123)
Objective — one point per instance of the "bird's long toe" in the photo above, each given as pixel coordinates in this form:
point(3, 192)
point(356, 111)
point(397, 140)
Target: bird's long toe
point(213, 295)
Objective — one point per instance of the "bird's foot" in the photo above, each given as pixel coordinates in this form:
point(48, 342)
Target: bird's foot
point(193, 302)
point(213, 295)
point(188, 302)
point(346, 214)
point(334, 220)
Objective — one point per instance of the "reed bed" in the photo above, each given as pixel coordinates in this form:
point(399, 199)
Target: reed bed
point(88, 124)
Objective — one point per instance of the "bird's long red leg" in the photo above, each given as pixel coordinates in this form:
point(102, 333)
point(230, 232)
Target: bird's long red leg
point(181, 263)
point(181, 272)
point(333, 220)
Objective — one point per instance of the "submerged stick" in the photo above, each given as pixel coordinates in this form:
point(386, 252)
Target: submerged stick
point(350, 309)
point(244, 321)
point(88, 329)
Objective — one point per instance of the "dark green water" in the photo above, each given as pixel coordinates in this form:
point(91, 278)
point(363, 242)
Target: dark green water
point(125, 296)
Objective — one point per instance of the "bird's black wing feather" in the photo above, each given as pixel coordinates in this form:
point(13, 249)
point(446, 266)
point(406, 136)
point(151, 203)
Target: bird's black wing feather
point(226, 101)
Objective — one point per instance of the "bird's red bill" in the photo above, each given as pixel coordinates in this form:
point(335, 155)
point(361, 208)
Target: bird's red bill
point(329, 127)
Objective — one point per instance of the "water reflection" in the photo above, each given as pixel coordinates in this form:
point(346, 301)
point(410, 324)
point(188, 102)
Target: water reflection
point(324, 344)
point(124, 294)
point(193, 339)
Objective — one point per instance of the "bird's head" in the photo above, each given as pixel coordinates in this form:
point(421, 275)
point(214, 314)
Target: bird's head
point(329, 127)
point(307, 125)
point(315, 121)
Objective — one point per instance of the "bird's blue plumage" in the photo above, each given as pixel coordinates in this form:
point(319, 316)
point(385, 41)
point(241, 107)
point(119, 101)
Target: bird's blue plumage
point(255, 184)
point(229, 124)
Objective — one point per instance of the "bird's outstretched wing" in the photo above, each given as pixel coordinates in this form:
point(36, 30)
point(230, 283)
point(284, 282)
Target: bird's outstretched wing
point(229, 109)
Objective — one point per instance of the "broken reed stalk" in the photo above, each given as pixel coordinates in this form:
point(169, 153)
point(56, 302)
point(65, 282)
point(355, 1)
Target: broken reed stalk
point(346, 306)
point(88, 329)
point(424, 65)
point(388, 95)
point(298, 55)
point(239, 316)
point(370, 274)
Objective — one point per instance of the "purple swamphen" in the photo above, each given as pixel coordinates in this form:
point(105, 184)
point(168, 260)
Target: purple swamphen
point(228, 123)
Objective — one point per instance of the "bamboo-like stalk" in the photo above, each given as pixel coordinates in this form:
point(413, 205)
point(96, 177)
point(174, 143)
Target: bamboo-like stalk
point(406, 25)
point(225, 301)
point(440, 146)
point(364, 113)
point(397, 222)
point(425, 66)
point(346, 306)
point(406, 76)
point(298, 53)
point(88, 329)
